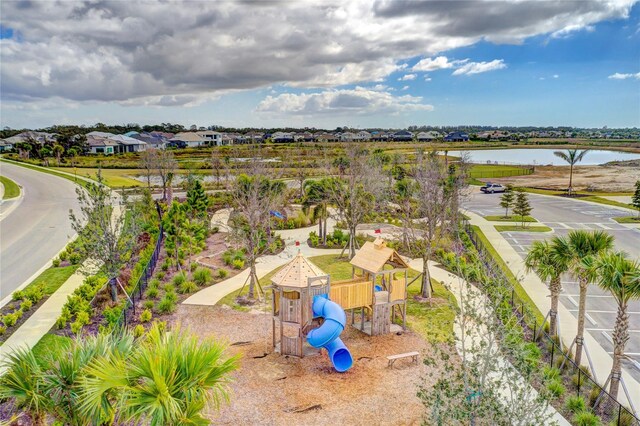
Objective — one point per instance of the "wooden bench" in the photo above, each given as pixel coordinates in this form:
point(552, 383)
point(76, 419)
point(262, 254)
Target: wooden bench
point(394, 358)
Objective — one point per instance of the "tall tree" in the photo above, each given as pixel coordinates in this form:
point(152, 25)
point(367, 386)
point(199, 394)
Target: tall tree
point(618, 275)
point(197, 200)
point(506, 200)
point(522, 207)
point(106, 233)
point(437, 195)
point(635, 199)
point(543, 258)
point(355, 192)
point(578, 249)
point(165, 166)
point(573, 157)
point(317, 194)
point(149, 163)
point(254, 197)
point(173, 225)
point(58, 150)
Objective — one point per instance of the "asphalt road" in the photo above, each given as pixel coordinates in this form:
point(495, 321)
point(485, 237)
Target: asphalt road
point(563, 215)
point(37, 229)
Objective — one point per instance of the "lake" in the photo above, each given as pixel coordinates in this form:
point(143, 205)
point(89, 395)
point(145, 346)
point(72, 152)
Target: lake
point(531, 156)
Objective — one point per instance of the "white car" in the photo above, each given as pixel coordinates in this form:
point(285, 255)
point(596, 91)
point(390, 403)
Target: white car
point(490, 188)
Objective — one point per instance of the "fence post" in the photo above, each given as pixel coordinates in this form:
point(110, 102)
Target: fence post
point(619, 413)
point(553, 346)
point(579, 379)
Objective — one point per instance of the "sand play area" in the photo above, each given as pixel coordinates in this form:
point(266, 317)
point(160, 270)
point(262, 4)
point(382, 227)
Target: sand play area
point(270, 389)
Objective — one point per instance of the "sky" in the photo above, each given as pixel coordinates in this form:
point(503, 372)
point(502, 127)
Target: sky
point(361, 64)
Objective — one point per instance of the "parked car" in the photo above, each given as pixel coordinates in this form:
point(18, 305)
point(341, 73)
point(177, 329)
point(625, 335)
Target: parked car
point(490, 188)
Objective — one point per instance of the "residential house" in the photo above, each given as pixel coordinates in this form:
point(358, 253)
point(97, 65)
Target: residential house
point(456, 137)
point(212, 137)
point(156, 140)
point(326, 137)
point(38, 137)
point(189, 139)
point(282, 137)
point(5, 146)
point(348, 137)
point(101, 145)
point(402, 135)
point(253, 137)
point(428, 136)
point(363, 135)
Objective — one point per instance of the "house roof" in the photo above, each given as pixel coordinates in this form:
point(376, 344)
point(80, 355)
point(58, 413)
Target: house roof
point(374, 255)
point(188, 137)
point(126, 140)
point(296, 273)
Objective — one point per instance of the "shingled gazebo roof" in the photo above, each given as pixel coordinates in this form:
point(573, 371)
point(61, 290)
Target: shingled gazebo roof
point(374, 255)
point(295, 273)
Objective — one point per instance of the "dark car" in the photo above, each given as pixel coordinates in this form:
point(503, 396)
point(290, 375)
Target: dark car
point(490, 188)
point(177, 144)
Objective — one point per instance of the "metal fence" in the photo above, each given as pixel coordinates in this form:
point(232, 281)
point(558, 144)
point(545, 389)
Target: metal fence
point(577, 381)
point(141, 284)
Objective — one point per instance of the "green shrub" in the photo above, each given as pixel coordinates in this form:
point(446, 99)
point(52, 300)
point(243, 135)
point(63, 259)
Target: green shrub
point(556, 388)
point(34, 293)
point(138, 331)
point(152, 292)
point(202, 276)
point(148, 304)
point(162, 325)
point(193, 266)
point(575, 404)
point(74, 258)
point(63, 319)
point(550, 373)
point(169, 288)
point(166, 265)
point(166, 305)
point(237, 263)
point(593, 395)
point(187, 287)
point(178, 279)
point(171, 295)
point(3, 330)
point(18, 295)
point(112, 315)
point(26, 305)
point(64, 255)
point(222, 273)
point(55, 263)
point(9, 320)
point(18, 314)
point(314, 239)
point(155, 283)
point(145, 316)
point(229, 256)
point(586, 418)
point(160, 275)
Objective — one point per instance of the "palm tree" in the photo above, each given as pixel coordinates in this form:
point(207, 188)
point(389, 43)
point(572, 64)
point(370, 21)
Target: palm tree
point(22, 383)
point(620, 277)
point(316, 194)
point(544, 260)
point(571, 156)
point(577, 249)
point(169, 379)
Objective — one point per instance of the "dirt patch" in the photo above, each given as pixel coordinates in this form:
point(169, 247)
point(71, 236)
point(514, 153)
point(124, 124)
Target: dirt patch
point(270, 389)
point(585, 178)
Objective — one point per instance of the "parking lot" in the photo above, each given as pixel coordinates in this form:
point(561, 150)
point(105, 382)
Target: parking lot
point(563, 215)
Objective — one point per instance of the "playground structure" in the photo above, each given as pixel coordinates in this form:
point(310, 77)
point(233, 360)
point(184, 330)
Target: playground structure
point(306, 304)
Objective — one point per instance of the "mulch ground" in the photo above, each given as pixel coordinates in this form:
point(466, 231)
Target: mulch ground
point(270, 389)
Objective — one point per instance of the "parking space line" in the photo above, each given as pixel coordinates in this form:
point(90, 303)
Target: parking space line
point(572, 300)
point(608, 337)
point(602, 312)
point(610, 329)
point(598, 296)
point(587, 316)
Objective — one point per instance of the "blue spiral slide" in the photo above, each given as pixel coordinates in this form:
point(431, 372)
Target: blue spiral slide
point(326, 336)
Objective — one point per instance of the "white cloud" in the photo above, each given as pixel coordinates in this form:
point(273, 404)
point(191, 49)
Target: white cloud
point(620, 76)
point(427, 78)
point(408, 77)
point(404, 87)
point(119, 51)
point(480, 67)
point(556, 76)
point(358, 101)
point(438, 63)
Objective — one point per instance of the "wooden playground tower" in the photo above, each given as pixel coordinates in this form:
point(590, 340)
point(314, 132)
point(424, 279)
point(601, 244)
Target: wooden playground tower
point(377, 292)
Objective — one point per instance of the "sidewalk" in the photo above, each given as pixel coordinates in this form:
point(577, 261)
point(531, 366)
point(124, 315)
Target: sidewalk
point(42, 320)
point(538, 292)
point(461, 289)
point(265, 264)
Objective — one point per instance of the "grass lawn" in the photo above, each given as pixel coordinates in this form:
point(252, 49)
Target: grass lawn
point(48, 344)
point(11, 189)
point(114, 178)
point(516, 228)
point(479, 171)
point(53, 278)
point(527, 219)
point(628, 219)
point(520, 292)
point(600, 200)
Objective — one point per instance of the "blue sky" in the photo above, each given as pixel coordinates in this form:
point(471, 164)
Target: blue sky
point(549, 65)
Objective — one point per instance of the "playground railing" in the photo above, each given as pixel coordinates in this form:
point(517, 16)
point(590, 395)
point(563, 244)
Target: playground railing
point(577, 380)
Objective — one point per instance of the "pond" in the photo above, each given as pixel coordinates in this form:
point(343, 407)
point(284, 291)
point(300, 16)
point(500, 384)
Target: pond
point(533, 156)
